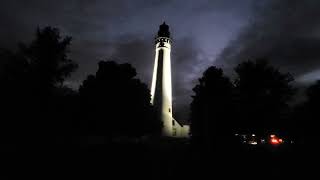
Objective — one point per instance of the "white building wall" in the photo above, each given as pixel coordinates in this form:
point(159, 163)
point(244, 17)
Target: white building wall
point(161, 90)
point(165, 107)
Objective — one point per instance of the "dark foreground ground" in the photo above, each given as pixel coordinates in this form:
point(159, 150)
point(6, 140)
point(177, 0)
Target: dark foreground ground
point(157, 160)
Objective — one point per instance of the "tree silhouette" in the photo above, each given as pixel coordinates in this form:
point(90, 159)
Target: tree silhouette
point(49, 64)
point(263, 96)
point(31, 79)
point(211, 107)
point(13, 81)
point(313, 93)
point(116, 103)
point(306, 115)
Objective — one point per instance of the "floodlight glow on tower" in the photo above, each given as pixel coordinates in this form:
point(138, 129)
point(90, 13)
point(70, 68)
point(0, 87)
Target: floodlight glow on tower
point(161, 87)
point(161, 91)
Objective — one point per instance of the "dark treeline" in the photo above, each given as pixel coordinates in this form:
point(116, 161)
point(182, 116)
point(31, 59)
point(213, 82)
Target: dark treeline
point(39, 109)
point(50, 131)
point(258, 101)
point(109, 120)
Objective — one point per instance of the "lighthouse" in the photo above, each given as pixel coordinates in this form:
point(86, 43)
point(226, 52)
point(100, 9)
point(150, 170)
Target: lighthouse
point(161, 87)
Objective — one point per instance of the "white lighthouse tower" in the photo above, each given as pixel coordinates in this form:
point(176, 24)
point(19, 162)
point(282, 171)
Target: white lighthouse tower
point(161, 88)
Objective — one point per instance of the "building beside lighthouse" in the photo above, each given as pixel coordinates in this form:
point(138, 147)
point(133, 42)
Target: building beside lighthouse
point(161, 87)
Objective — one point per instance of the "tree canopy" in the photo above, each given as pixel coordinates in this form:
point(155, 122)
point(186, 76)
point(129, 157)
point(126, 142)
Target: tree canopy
point(31, 79)
point(117, 103)
point(211, 106)
point(257, 102)
point(263, 93)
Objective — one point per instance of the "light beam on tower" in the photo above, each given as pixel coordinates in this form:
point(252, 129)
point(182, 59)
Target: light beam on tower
point(161, 87)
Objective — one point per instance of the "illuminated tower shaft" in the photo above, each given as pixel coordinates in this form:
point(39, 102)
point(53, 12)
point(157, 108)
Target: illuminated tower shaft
point(161, 90)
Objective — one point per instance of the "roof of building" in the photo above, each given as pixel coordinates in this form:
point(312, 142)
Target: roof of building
point(164, 30)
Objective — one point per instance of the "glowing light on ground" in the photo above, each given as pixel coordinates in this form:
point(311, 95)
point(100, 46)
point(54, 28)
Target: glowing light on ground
point(275, 140)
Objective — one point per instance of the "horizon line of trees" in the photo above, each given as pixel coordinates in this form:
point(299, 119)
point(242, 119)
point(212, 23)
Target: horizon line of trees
point(38, 107)
point(256, 102)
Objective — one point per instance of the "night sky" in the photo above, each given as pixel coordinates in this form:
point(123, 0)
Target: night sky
point(205, 32)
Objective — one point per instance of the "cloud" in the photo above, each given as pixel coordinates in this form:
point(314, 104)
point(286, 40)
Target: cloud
point(285, 32)
point(124, 30)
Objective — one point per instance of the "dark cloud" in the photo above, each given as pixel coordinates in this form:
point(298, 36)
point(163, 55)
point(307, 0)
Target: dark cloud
point(286, 32)
point(124, 30)
point(187, 65)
